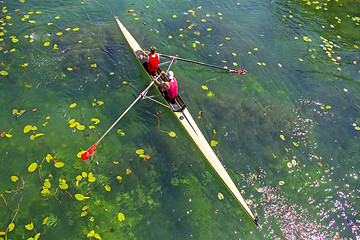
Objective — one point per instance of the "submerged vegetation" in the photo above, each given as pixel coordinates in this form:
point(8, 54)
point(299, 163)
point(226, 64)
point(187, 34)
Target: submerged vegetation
point(287, 131)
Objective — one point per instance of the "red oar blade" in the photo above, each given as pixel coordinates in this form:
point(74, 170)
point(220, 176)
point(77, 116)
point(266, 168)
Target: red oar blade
point(240, 71)
point(89, 152)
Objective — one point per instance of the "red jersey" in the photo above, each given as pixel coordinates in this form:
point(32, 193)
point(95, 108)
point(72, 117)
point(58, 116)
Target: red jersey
point(172, 92)
point(153, 63)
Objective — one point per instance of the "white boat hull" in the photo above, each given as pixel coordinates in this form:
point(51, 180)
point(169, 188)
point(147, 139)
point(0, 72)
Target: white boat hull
point(193, 130)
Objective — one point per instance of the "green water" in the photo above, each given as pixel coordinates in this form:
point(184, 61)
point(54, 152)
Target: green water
point(298, 102)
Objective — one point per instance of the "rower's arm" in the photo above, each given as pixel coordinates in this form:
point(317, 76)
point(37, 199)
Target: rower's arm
point(156, 79)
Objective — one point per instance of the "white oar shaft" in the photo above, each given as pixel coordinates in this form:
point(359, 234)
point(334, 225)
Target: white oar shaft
point(170, 65)
point(131, 105)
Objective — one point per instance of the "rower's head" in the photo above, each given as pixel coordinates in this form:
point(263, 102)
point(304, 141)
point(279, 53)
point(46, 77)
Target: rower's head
point(152, 50)
point(171, 75)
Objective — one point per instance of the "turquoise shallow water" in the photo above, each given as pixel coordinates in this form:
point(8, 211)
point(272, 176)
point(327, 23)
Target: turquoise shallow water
point(287, 130)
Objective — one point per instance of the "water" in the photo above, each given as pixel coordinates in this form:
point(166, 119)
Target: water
point(287, 130)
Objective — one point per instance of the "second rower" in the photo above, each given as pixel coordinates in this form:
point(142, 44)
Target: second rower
point(169, 87)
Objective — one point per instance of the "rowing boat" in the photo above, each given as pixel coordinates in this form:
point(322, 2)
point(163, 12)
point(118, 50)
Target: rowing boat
point(182, 113)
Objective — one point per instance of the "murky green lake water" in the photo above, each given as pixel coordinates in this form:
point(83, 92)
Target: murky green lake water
point(287, 130)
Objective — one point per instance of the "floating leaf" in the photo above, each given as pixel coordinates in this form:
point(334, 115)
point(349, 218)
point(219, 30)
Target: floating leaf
point(220, 196)
point(36, 237)
point(80, 197)
point(83, 214)
point(11, 227)
point(59, 164)
point(295, 144)
point(3, 134)
point(14, 178)
point(27, 128)
point(128, 171)
point(172, 134)
point(48, 158)
point(84, 174)
point(100, 103)
point(140, 151)
point(121, 132)
point(210, 94)
point(32, 167)
point(214, 143)
point(29, 226)
point(159, 20)
point(91, 178)
point(76, 29)
point(91, 234)
point(34, 128)
point(46, 44)
point(39, 135)
point(107, 188)
point(119, 178)
point(8, 135)
point(97, 236)
point(63, 184)
point(95, 120)
point(205, 87)
point(121, 217)
point(282, 137)
point(72, 106)
point(80, 127)
point(281, 183)
point(69, 69)
point(47, 183)
point(45, 221)
point(45, 192)
point(80, 153)
point(32, 137)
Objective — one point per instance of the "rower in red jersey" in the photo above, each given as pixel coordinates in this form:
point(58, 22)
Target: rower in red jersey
point(153, 63)
point(170, 87)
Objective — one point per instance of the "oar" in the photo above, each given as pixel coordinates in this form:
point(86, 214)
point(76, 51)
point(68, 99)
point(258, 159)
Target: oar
point(241, 71)
point(91, 150)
